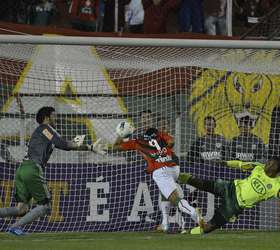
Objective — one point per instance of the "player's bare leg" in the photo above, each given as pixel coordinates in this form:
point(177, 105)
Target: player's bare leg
point(180, 219)
point(164, 206)
point(185, 207)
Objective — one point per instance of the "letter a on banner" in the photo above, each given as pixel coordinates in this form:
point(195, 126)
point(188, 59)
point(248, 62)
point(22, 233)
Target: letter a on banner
point(142, 191)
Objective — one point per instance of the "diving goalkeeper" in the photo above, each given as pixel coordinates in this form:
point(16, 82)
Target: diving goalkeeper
point(29, 179)
point(262, 184)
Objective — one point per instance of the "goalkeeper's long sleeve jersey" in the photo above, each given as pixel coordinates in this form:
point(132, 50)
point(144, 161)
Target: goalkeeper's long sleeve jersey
point(43, 140)
point(256, 187)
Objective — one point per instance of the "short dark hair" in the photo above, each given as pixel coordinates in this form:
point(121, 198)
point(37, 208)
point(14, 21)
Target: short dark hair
point(147, 111)
point(43, 113)
point(150, 133)
point(162, 118)
point(276, 159)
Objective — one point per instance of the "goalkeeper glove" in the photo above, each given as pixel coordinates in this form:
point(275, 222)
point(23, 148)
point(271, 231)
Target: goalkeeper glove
point(79, 139)
point(97, 147)
point(245, 166)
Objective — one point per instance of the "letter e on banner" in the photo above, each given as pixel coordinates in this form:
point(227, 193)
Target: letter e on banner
point(95, 201)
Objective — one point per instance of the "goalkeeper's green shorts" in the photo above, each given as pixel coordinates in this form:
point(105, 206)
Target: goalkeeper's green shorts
point(229, 208)
point(30, 183)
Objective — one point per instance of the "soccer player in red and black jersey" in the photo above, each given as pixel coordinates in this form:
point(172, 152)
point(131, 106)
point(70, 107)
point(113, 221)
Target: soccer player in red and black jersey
point(156, 147)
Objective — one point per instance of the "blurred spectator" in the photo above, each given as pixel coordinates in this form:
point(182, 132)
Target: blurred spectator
point(100, 16)
point(145, 121)
point(163, 124)
point(211, 146)
point(16, 10)
point(215, 17)
point(250, 11)
point(191, 16)
point(109, 15)
point(84, 14)
point(156, 14)
point(134, 16)
point(274, 138)
point(247, 146)
point(43, 11)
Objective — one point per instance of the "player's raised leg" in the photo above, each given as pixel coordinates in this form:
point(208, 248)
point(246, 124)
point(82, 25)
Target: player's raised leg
point(185, 207)
point(204, 185)
point(165, 179)
point(229, 209)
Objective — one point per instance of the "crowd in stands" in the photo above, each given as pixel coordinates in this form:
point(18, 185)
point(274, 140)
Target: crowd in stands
point(246, 146)
point(214, 147)
point(136, 16)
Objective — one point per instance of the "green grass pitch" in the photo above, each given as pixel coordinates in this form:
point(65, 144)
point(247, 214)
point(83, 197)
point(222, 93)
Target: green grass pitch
point(142, 240)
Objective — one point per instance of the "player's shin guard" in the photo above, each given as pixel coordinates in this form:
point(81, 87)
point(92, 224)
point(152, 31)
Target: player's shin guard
point(185, 207)
point(9, 211)
point(34, 214)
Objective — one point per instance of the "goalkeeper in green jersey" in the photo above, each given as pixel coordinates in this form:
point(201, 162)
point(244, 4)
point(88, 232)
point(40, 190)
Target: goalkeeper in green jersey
point(29, 178)
point(262, 184)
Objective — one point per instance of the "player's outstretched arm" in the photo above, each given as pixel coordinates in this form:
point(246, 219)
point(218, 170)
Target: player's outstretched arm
point(77, 144)
point(117, 146)
point(245, 166)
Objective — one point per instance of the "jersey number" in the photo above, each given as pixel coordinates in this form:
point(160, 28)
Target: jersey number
point(155, 144)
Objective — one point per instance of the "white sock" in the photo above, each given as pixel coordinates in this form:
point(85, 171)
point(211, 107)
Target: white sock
point(185, 207)
point(9, 211)
point(32, 215)
point(165, 209)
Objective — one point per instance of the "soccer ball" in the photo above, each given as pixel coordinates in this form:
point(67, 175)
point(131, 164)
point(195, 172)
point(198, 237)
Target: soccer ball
point(124, 129)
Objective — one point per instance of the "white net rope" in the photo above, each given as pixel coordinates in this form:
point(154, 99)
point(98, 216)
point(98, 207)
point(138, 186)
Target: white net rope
point(94, 88)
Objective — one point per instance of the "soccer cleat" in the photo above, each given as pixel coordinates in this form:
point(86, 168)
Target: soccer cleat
point(162, 228)
point(16, 231)
point(200, 219)
point(196, 231)
point(183, 231)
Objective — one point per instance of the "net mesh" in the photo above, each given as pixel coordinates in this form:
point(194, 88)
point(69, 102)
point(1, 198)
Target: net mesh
point(94, 88)
point(267, 28)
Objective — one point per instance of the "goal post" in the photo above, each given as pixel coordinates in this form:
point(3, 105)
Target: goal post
point(145, 42)
point(226, 87)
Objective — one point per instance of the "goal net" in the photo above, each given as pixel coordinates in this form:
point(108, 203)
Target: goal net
point(217, 103)
point(267, 27)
